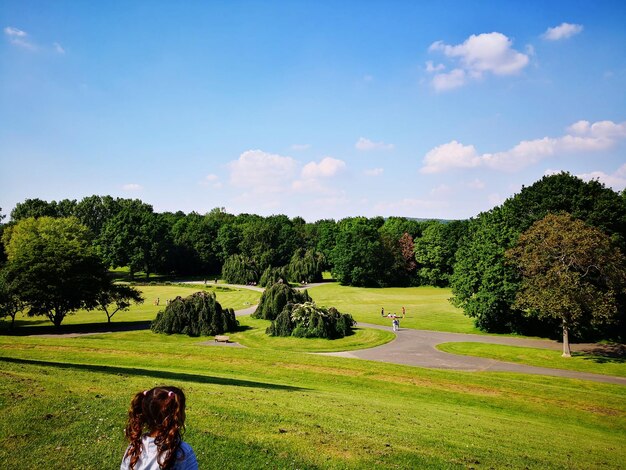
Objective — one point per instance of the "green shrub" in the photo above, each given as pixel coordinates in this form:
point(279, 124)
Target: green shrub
point(273, 275)
point(238, 269)
point(307, 320)
point(196, 315)
point(306, 266)
point(275, 298)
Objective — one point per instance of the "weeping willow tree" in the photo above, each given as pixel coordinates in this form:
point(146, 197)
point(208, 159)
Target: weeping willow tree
point(273, 275)
point(307, 320)
point(275, 298)
point(306, 266)
point(238, 269)
point(196, 315)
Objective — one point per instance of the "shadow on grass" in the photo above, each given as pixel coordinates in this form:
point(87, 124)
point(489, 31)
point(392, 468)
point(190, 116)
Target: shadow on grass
point(99, 327)
point(604, 354)
point(159, 374)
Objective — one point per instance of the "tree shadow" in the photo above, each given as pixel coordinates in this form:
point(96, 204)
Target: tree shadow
point(604, 353)
point(96, 327)
point(158, 374)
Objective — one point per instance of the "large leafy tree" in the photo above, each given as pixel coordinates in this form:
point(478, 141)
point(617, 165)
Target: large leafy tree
point(135, 237)
point(53, 262)
point(485, 286)
point(570, 271)
point(435, 251)
point(358, 252)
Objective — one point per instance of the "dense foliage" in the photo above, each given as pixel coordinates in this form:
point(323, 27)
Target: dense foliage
point(238, 269)
point(485, 286)
point(276, 297)
point(307, 320)
point(55, 266)
point(570, 272)
point(200, 314)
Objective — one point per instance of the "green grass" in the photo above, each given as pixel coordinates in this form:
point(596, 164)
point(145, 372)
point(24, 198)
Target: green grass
point(63, 404)
point(427, 308)
point(581, 362)
point(254, 336)
point(227, 297)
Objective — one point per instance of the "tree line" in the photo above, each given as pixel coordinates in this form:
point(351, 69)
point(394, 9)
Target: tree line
point(470, 256)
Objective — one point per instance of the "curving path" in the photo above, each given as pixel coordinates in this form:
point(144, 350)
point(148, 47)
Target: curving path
point(418, 348)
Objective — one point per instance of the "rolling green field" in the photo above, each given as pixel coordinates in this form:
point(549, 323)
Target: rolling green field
point(427, 308)
point(582, 362)
point(227, 297)
point(253, 336)
point(65, 401)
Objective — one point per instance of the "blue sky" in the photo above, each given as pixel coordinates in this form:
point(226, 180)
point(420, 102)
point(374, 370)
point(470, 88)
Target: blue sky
point(317, 109)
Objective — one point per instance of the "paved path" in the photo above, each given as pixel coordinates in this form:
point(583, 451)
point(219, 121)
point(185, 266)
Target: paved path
point(418, 348)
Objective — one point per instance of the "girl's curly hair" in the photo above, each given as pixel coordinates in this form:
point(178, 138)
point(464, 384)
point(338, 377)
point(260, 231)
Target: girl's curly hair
point(159, 412)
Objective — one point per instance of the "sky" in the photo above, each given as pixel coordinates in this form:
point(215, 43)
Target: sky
point(426, 109)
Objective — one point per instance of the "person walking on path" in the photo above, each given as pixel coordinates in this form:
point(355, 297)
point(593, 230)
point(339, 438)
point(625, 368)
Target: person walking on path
point(156, 421)
point(396, 324)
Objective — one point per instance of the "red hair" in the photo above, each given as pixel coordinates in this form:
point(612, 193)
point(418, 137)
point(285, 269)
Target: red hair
point(161, 413)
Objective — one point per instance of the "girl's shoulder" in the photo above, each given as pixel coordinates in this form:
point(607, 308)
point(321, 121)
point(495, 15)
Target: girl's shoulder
point(187, 457)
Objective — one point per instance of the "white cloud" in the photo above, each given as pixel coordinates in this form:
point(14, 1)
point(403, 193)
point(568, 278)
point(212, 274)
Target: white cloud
point(431, 68)
point(300, 147)
point(450, 155)
point(327, 167)
point(563, 31)
point(583, 137)
point(19, 38)
point(366, 145)
point(58, 48)
point(211, 177)
point(616, 180)
point(132, 187)
point(262, 172)
point(373, 172)
point(448, 81)
point(477, 55)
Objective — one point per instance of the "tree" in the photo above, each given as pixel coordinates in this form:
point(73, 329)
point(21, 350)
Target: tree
point(198, 314)
point(55, 266)
point(307, 320)
point(10, 302)
point(570, 271)
point(274, 299)
point(484, 286)
point(435, 251)
point(240, 270)
point(357, 254)
point(135, 237)
point(115, 297)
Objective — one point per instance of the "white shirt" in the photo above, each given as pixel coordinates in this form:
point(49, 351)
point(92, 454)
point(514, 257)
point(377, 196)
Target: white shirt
point(149, 453)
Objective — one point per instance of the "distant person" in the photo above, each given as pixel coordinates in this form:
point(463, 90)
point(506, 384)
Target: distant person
point(403, 312)
point(396, 324)
point(382, 312)
point(156, 421)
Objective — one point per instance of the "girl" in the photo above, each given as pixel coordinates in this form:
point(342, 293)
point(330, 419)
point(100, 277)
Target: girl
point(156, 420)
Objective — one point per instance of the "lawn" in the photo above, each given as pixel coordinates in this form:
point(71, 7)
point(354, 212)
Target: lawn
point(142, 313)
point(253, 336)
point(65, 401)
point(427, 308)
point(582, 362)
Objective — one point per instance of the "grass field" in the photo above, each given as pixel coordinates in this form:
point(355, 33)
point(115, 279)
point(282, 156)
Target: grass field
point(582, 362)
point(65, 401)
point(427, 308)
point(227, 297)
point(253, 336)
